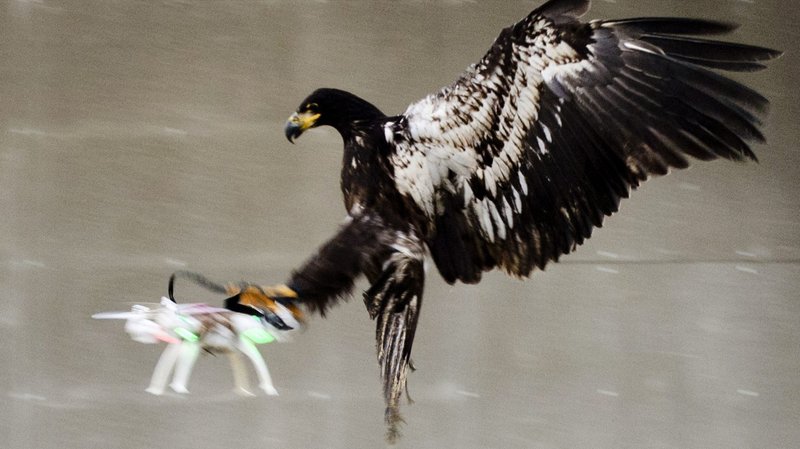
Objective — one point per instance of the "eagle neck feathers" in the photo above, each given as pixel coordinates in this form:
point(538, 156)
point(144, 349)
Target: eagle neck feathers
point(366, 179)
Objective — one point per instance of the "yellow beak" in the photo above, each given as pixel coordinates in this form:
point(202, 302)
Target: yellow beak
point(298, 123)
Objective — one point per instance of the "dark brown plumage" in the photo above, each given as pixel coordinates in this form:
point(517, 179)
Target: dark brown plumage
point(515, 163)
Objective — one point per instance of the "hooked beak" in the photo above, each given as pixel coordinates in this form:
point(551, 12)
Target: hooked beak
point(298, 123)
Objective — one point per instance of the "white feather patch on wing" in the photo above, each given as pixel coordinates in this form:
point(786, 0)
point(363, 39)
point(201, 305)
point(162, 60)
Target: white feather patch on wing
point(481, 210)
point(388, 132)
point(478, 130)
point(499, 225)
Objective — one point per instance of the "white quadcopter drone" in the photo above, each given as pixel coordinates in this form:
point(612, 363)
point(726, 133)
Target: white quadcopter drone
point(188, 328)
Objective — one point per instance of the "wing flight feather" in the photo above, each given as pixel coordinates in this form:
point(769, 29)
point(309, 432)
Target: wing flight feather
point(518, 160)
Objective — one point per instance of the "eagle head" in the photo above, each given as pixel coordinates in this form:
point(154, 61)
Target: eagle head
point(333, 107)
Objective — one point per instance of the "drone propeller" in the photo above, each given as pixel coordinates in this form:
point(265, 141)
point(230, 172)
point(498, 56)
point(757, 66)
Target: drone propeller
point(116, 315)
point(200, 309)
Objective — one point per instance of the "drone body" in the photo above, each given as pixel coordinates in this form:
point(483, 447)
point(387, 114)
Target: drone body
point(189, 328)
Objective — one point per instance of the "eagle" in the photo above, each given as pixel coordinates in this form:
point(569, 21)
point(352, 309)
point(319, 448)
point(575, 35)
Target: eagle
point(516, 162)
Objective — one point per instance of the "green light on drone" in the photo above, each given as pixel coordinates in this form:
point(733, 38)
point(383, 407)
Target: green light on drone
point(186, 334)
point(258, 336)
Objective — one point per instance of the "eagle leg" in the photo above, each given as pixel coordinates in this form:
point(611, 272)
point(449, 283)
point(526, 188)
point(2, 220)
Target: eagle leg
point(392, 258)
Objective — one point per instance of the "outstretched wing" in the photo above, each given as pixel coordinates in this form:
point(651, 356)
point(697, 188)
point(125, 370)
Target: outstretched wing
point(517, 161)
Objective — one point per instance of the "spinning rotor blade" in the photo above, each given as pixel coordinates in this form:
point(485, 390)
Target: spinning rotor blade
point(116, 315)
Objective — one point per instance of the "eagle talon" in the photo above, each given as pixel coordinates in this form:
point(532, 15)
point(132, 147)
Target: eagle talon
point(275, 304)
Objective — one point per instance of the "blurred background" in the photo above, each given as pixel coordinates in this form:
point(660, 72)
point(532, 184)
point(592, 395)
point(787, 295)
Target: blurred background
point(142, 137)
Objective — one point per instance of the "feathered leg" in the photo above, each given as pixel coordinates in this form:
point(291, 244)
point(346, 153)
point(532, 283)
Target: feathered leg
point(392, 258)
point(327, 276)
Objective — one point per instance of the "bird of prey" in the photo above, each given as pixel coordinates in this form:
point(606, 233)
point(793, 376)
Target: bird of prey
point(516, 162)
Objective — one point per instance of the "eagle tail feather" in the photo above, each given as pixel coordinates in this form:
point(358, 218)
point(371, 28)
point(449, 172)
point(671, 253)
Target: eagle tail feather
point(394, 300)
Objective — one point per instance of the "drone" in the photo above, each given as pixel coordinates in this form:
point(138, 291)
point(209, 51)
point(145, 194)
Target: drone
point(189, 328)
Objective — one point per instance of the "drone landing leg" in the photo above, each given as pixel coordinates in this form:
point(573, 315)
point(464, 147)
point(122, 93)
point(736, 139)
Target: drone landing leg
point(241, 384)
point(265, 381)
point(163, 369)
point(188, 355)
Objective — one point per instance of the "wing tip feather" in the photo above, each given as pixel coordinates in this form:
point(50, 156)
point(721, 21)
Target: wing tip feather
point(560, 8)
point(672, 25)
